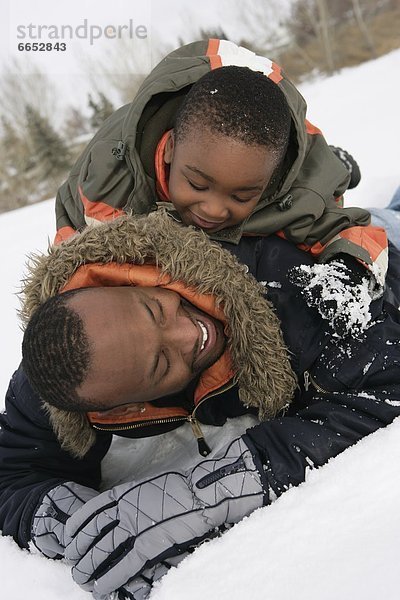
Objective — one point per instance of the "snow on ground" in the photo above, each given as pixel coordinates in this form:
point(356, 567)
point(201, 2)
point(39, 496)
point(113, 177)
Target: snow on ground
point(358, 109)
point(336, 536)
point(22, 231)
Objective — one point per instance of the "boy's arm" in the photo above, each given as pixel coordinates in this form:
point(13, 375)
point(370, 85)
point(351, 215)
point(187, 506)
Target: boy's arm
point(366, 244)
point(69, 217)
point(311, 213)
point(32, 462)
point(99, 185)
point(334, 230)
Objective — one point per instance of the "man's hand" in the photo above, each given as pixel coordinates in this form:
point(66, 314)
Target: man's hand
point(140, 587)
point(341, 294)
point(134, 527)
point(48, 527)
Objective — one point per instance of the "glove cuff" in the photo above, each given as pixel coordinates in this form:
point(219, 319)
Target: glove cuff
point(57, 505)
point(230, 484)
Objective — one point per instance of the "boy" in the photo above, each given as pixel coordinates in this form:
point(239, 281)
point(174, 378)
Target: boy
point(219, 136)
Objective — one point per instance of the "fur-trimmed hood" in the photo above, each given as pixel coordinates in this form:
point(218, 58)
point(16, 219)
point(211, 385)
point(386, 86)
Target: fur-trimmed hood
point(260, 358)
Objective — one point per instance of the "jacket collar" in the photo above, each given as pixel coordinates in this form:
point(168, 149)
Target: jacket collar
point(162, 169)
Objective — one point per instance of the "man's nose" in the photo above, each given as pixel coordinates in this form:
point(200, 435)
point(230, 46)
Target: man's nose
point(182, 334)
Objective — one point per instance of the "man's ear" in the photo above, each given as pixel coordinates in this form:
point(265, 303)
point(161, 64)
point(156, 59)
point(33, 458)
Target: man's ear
point(169, 148)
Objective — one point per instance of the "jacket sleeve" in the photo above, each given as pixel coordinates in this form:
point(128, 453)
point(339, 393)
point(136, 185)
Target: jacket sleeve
point(310, 213)
point(99, 185)
point(351, 386)
point(368, 244)
point(69, 217)
point(333, 229)
point(287, 447)
point(32, 460)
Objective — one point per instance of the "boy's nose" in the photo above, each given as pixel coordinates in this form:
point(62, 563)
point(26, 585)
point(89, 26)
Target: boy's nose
point(215, 210)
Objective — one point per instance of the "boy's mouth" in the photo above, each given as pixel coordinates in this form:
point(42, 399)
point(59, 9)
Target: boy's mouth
point(204, 223)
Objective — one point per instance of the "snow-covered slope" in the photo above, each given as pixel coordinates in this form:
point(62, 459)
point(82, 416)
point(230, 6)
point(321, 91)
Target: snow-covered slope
point(334, 537)
point(337, 535)
point(358, 109)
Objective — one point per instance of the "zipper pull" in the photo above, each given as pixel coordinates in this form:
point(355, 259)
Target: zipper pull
point(306, 376)
point(119, 151)
point(204, 449)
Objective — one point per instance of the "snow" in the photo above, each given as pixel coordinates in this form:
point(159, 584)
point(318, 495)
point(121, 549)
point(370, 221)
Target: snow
point(358, 110)
point(345, 306)
point(336, 536)
point(272, 284)
point(333, 537)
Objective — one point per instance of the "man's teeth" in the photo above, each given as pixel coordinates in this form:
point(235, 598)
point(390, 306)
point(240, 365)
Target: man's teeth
point(205, 335)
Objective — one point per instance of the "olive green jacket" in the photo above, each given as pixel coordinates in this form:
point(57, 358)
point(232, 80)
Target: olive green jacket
point(115, 173)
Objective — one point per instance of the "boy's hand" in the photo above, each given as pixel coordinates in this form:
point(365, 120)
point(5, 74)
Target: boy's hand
point(350, 164)
point(341, 293)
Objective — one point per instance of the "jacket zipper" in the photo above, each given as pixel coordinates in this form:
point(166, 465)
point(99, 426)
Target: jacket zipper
point(143, 424)
point(203, 447)
point(308, 379)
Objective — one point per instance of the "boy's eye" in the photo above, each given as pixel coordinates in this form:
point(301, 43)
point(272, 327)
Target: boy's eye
point(199, 188)
point(243, 200)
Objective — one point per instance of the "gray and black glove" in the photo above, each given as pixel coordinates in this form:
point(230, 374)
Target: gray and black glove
point(139, 587)
point(350, 164)
point(48, 526)
point(342, 292)
point(133, 527)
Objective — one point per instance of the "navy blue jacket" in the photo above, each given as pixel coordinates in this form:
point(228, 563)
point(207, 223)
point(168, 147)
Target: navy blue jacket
point(354, 390)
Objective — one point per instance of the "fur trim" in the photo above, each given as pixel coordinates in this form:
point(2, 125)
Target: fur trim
point(260, 358)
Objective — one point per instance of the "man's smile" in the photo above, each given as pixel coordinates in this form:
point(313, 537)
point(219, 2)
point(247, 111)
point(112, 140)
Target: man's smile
point(208, 337)
point(210, 334)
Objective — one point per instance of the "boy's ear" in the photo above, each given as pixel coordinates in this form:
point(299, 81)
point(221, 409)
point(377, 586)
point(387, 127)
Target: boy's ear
point(169, 148)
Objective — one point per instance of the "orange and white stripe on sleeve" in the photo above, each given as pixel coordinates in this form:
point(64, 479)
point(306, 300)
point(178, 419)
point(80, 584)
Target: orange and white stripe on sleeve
point(97, 212)
point(369, 244)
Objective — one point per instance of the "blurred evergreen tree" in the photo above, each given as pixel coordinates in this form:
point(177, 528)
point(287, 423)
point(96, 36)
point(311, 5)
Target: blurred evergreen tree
point(49, 150)
point(101, 109)
point(75, 124)
point(15, 157)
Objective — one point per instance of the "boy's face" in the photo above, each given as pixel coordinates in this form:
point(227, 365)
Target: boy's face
point(216, 182)
point(146, 343)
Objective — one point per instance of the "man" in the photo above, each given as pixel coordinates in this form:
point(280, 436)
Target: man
point(213, 349)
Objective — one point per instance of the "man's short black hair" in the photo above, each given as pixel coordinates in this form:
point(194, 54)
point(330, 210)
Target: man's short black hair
point(56, 354)
point(239, 103)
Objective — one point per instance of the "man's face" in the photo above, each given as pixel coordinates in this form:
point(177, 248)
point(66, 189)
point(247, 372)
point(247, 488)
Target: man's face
point(146, 343)
point(216, 182)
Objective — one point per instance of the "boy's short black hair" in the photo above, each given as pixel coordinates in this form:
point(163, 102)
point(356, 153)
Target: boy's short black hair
point(239, 103)
point(56, 354)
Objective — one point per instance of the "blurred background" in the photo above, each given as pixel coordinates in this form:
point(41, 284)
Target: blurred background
point(51, 103)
